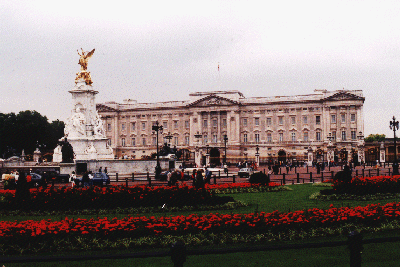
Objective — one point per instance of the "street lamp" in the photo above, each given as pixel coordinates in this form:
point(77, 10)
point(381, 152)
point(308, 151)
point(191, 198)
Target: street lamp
point(225, 140)
point(394, 125)
point(168, 137)
point(157, 128)
point(360, 137)
point(257, 155)
point(197, 153)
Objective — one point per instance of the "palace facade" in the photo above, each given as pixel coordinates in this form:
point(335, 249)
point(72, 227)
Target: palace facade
point(277, 128)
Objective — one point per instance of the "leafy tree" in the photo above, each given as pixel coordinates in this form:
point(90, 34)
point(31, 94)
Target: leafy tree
point(26, 130)
point(375, 137)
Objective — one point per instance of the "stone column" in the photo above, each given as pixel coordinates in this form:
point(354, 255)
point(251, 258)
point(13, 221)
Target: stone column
point(310, 156)
point(382, 155)
point(208, 158)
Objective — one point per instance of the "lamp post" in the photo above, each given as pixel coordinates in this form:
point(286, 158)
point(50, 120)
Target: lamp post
point(197, 153)
point(361, 152)
point(225, 140)
point(394, 125)
point(257, 156)
point(157, 128)
point(168, 137)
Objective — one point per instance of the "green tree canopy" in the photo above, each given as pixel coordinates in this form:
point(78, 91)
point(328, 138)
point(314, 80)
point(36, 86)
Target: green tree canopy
point(375, 137)
point(26, 130)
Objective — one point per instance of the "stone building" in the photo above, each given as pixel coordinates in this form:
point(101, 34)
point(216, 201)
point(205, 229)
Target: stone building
point(277, 128)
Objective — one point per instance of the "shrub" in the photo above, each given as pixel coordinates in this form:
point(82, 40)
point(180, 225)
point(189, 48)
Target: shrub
point(259, 178)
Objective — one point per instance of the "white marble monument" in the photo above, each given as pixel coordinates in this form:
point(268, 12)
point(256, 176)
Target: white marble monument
point(84, 128)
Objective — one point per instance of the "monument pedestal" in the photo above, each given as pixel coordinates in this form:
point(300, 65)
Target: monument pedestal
point(84, 128)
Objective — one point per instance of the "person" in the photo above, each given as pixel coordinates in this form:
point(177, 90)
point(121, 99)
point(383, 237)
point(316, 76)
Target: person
point(90, 174)
point(169, 177)
point(100, 169)
point(105, 170)
point(85, 179)
point(208, 174)
point(22, 193)
point(174, 177)
point(72, 179)
point(199, 179)
point(194, 177)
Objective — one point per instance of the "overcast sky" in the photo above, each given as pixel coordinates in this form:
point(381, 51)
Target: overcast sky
point(163, 50)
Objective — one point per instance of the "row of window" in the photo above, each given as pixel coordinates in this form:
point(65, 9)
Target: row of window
point(144, 124)
point(154, 141)
point(281, 119)
point(305, 119)
point(293, 138)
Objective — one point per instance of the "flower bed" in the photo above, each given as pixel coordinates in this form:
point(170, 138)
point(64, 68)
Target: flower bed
point(120, 196)
point(111, 197)
point(26, 233)
point(368, 185)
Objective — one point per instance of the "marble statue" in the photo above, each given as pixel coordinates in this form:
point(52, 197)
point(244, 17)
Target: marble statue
point(98, 126)
point(78, 121)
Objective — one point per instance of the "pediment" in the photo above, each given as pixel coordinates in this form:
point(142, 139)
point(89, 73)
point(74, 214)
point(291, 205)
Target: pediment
point(101, 107)
point(213, 100)
point(343, 96)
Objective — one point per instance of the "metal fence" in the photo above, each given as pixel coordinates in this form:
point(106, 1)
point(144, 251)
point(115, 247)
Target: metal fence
point(179, 252)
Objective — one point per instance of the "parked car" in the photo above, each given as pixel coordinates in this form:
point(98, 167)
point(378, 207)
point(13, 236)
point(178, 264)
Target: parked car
point(99, 178)
point(245, 172)
point(36, 178)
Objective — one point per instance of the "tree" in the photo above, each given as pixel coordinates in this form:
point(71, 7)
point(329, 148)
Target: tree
point(26, 130)
point(375, 138)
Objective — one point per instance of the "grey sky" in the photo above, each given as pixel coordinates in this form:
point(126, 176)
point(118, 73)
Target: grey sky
point(162, 50)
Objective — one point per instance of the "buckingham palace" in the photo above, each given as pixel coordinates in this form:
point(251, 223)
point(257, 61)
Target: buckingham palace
point(275, 128)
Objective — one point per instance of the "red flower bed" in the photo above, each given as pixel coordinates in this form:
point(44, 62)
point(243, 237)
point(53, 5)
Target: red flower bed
point(216, 223)
point(369, 185)
point(120, 196)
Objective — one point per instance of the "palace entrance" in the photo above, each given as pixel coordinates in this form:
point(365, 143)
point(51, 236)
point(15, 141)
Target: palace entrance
point(214, 157)
point(281, 157)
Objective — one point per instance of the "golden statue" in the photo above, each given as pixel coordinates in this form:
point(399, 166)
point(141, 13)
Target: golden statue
point(83, 61)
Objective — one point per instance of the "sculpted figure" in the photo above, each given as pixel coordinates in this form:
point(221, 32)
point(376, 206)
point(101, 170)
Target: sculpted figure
point(78, 121)
point(98, 126)
point(84, 58)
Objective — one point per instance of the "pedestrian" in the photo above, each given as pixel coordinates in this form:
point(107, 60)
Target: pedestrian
point(199, 179)
point(208, 175)
point(85, 179)
point(90, 178)
point(194, 177)
point(169, 177)
point(100, 170)
point(72, 179)
point(105, 170)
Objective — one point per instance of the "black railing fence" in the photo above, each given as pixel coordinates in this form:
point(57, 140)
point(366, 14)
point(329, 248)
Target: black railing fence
point(178, 252)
